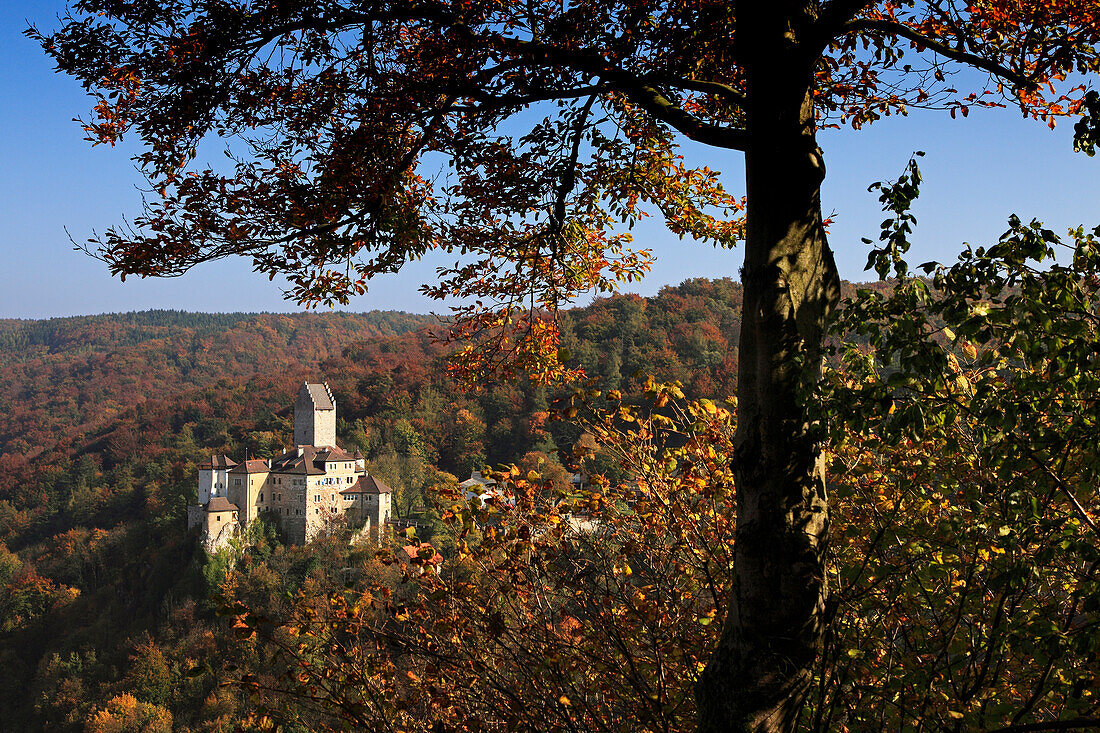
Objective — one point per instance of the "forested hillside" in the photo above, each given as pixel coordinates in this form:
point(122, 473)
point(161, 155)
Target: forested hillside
point(104, 597)
point(64, 376)
point(556, 609)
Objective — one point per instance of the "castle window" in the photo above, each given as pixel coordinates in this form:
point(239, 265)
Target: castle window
point(279, 497)
point(261, 496)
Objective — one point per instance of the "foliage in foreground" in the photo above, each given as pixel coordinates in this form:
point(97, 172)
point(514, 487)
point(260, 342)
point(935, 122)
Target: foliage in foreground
point(965, 570)
point(95, 563)
point(965, 566)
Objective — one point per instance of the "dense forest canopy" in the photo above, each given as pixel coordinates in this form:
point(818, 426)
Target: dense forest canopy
point(82, 372)
point(95, 566)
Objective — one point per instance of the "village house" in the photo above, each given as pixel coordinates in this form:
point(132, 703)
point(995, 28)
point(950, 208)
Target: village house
point(307, 487)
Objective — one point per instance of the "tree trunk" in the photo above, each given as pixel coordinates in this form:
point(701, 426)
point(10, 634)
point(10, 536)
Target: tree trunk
point(758, 677)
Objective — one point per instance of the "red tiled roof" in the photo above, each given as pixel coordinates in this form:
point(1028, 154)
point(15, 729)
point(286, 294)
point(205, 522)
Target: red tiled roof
point(332, 453)
point(288, 457)
point(221, 504)
point(292, 462)
point(370, 485)
point(218, 462)
point(308, 459)
point(253, 465)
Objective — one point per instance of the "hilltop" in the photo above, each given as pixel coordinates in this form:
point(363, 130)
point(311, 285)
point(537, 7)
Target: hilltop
point(105, 419)
point(61, 377)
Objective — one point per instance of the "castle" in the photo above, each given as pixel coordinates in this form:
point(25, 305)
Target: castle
point(307, 487)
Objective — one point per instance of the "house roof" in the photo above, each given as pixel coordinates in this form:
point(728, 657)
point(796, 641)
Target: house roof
point(368, 485)
point(252, 465)
point(307, 459)
point(297, 462)
point(332, 453)
point(218, 462)
point(291, 456)
point(476, 479)
point(321, 396)
point(221, 504)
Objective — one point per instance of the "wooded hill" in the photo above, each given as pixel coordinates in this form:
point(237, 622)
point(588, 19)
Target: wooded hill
point(103, 420)
point(950, 552)
point(64, 376)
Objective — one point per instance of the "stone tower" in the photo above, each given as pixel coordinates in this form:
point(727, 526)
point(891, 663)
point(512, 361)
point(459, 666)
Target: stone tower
point(315, 416)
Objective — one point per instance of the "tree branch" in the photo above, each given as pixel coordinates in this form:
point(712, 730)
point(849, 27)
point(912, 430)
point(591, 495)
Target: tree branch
point(834, 16)
point(637, 88)
point(725, 91)
point(569, 179)
point(490, 102)
point(890, 27)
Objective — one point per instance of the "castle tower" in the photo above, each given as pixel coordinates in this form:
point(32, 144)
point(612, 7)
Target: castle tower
point(315, 416)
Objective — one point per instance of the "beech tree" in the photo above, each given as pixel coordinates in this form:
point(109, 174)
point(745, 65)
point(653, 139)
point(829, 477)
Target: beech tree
point(966, 555)
point(527, 137)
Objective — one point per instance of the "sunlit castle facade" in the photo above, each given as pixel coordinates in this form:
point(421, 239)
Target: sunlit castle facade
point(307, 488)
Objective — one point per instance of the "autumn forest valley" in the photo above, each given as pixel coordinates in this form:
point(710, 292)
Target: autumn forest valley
point(114, 618)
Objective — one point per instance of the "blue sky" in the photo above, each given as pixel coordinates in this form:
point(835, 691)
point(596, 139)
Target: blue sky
point(977, 172)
